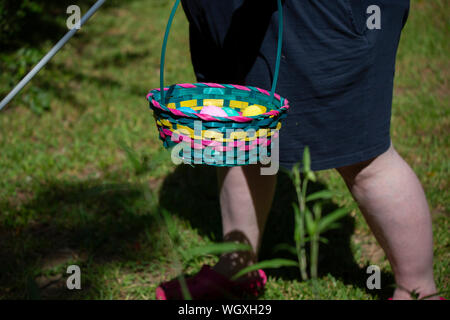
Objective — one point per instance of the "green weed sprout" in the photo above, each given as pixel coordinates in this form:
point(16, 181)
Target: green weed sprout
point(309, 224)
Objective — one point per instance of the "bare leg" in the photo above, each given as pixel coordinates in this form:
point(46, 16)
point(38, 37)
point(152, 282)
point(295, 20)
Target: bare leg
point(394, 205)
point(245, 200)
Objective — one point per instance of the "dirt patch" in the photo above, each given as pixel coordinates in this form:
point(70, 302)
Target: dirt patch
point(61, 257)
point(371, 250)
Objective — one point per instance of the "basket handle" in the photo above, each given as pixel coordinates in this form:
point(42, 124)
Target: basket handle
point(166, 36)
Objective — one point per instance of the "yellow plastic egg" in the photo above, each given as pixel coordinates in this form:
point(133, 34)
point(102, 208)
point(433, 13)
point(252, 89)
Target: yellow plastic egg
point(254, 110)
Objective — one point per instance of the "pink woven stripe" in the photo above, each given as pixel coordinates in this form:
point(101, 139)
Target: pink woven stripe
point(206, 117)
point(178, 112)
point(277, 96)
point(216, 145)
point(198, 146)
point(176, 138)
point(167, 132)
point(264, 91)
point(149, 95)
point(260, 141)
point(156, 103)
point(241, 87)
point(273, 112)
point(213, 143)
point(223, 149)
point(207, 142)
point(241, 119)
point(213, 85)
point(235, 143)
point(159, 89)
point(247, 148)
point(187, 85)
point(185, 138)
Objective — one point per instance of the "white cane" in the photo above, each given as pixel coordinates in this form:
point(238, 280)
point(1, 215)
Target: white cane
point(49, 55)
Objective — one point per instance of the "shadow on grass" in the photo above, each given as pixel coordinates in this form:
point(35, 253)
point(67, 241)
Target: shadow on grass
point(191, 193)
point(31, 25)
point(94, 224)
point(90, 224)
point(34, 26)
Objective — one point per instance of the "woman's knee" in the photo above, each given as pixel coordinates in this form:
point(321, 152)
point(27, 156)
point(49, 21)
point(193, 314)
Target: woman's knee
point(359, 173)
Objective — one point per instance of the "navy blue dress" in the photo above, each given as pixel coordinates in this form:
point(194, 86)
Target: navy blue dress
point(336, 72)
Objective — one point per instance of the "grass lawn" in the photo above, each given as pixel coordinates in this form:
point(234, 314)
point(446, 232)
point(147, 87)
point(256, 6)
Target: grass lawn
point(69, 193)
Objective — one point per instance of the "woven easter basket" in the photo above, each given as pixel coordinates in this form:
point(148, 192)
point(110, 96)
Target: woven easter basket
point(213, 140)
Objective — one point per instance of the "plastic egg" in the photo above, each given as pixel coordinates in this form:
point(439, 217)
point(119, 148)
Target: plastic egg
point(230, 112)
point(213, 111)
point(254, 110)
point(187, 110)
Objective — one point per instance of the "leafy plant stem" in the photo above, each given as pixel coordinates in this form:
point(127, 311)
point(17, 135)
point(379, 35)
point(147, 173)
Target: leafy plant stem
point(300, 241)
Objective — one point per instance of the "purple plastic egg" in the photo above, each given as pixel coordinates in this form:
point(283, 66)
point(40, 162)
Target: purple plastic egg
point(213, 111)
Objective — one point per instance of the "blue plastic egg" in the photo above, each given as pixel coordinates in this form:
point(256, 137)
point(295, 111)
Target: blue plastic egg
point(187, 110)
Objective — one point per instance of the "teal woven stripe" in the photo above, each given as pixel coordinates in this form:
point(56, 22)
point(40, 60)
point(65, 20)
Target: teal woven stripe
point(280, 41)
point(163, 50)
point(243, 158)
point(188, 119)
point(266, 123)
point(178, 93)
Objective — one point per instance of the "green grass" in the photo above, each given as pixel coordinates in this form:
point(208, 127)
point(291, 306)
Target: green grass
point(69, 194)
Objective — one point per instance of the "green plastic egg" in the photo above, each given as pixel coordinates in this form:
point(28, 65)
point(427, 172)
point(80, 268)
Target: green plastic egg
point(230, 111)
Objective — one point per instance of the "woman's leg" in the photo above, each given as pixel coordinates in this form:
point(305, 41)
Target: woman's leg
point(393, 203)
point(245, 201)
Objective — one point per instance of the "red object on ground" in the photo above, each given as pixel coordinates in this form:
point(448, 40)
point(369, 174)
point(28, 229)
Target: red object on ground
point(211, 285)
